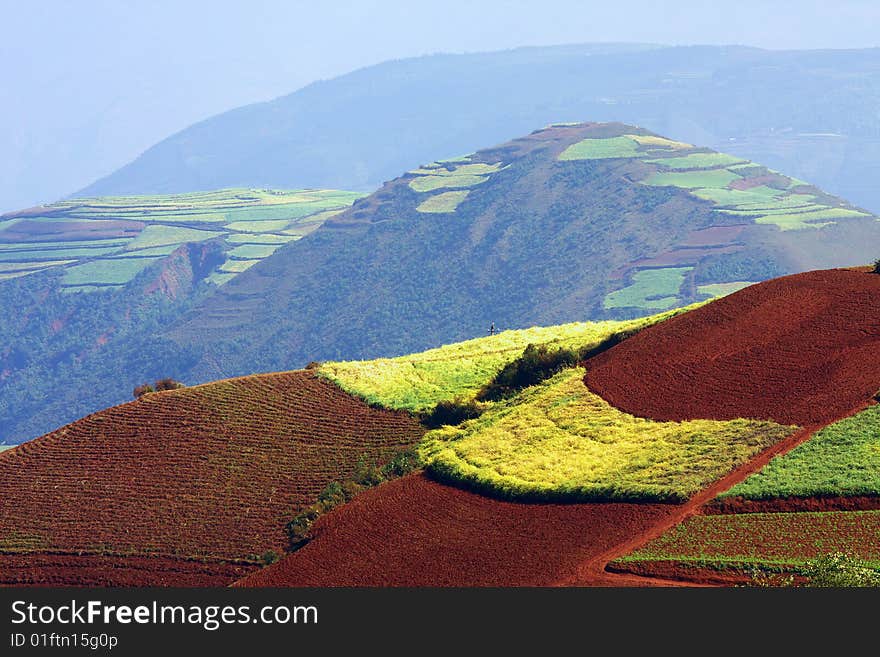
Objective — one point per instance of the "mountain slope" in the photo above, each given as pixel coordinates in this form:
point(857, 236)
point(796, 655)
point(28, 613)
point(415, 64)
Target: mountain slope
point(529, 233)
point(809, 113)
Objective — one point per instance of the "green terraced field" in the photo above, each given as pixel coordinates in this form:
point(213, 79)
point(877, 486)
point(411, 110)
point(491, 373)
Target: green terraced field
point(106, 272)
point(722, 179)
point(712, 178)
point(698, 161)
point(164, 235)
point(98, 245)
point(441, 203)
point(715, 290)
point(450, 175)
point(772, 541)
point(557, 441)
point(417, 382)
point(600, 149)
point(811, 219)
point(651, 288)
point(842, 459)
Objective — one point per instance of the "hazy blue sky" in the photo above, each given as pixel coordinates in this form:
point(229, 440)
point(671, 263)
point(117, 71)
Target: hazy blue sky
point(88, 85)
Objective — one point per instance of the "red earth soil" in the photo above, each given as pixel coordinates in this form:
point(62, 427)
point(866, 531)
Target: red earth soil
point(416, 532)
point(43, 569)
point(793, 504)
point(801, 349)
point(210, 471)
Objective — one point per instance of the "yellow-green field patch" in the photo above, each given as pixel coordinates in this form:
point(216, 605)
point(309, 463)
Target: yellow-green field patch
point(559, 441)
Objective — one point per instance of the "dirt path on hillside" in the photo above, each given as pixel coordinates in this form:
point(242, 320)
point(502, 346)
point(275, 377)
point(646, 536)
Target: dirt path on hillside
point(592, 572)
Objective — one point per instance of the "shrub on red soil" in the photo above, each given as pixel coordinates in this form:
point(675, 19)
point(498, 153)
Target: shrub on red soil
point(416, 532)
point(210, 472)
point(800, 349)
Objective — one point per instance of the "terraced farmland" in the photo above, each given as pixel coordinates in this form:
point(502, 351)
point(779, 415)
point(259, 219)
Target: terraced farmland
point(203, 475)
point(839, 467)
point(557, 441)
point(733, 185)
point(416, 382)
point(103, 243)
point(708, 545)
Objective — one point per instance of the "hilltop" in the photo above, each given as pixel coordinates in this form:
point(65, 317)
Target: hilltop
point(808, 113)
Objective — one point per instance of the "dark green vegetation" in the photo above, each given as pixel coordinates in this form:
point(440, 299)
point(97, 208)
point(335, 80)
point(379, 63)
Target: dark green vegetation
point(810, 114)
point(531, 237)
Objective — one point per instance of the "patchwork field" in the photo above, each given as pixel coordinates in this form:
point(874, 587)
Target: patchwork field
point(735, 544)
point(841, 460)
point(417, 382)
point(416, 532)
point(557, 441)
point(204, 475)
point(733, 185)
point(103, 243)
point(797, 350)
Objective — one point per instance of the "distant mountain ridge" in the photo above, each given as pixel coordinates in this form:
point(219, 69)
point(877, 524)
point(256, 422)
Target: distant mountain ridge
point(808, 113)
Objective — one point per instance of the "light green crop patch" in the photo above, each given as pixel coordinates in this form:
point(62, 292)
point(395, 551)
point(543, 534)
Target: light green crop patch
point(653, 141)
point(106, 272)
point(716, 290)
point(557, 441)
point(713, 178)
point(802, 220)
point(601, 149)
point(443, 202)
point(698, 161)
point(841, 460)
point(252, 251)
point(157, 235)
point(237, 266)
point(651, 288)
point(432, 183)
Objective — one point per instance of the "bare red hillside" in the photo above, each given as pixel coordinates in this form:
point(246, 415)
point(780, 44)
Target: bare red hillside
point(416, 532)
point(203, 474)
point(801, 349)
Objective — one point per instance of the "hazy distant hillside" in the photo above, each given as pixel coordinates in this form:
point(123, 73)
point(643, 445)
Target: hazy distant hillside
point(811, 114)
point(572, 222)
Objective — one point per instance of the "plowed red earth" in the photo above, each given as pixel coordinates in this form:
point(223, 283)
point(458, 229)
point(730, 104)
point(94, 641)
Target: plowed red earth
point(800, 349)
point(95, 570)
point(793, 504)
point(416, 532)
point(211, 471)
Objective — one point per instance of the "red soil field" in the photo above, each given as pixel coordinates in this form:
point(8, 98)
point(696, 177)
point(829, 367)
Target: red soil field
point(212, 471)
point(793, 504)
point(416, 532)
point(97, 570)
point(801, 349)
